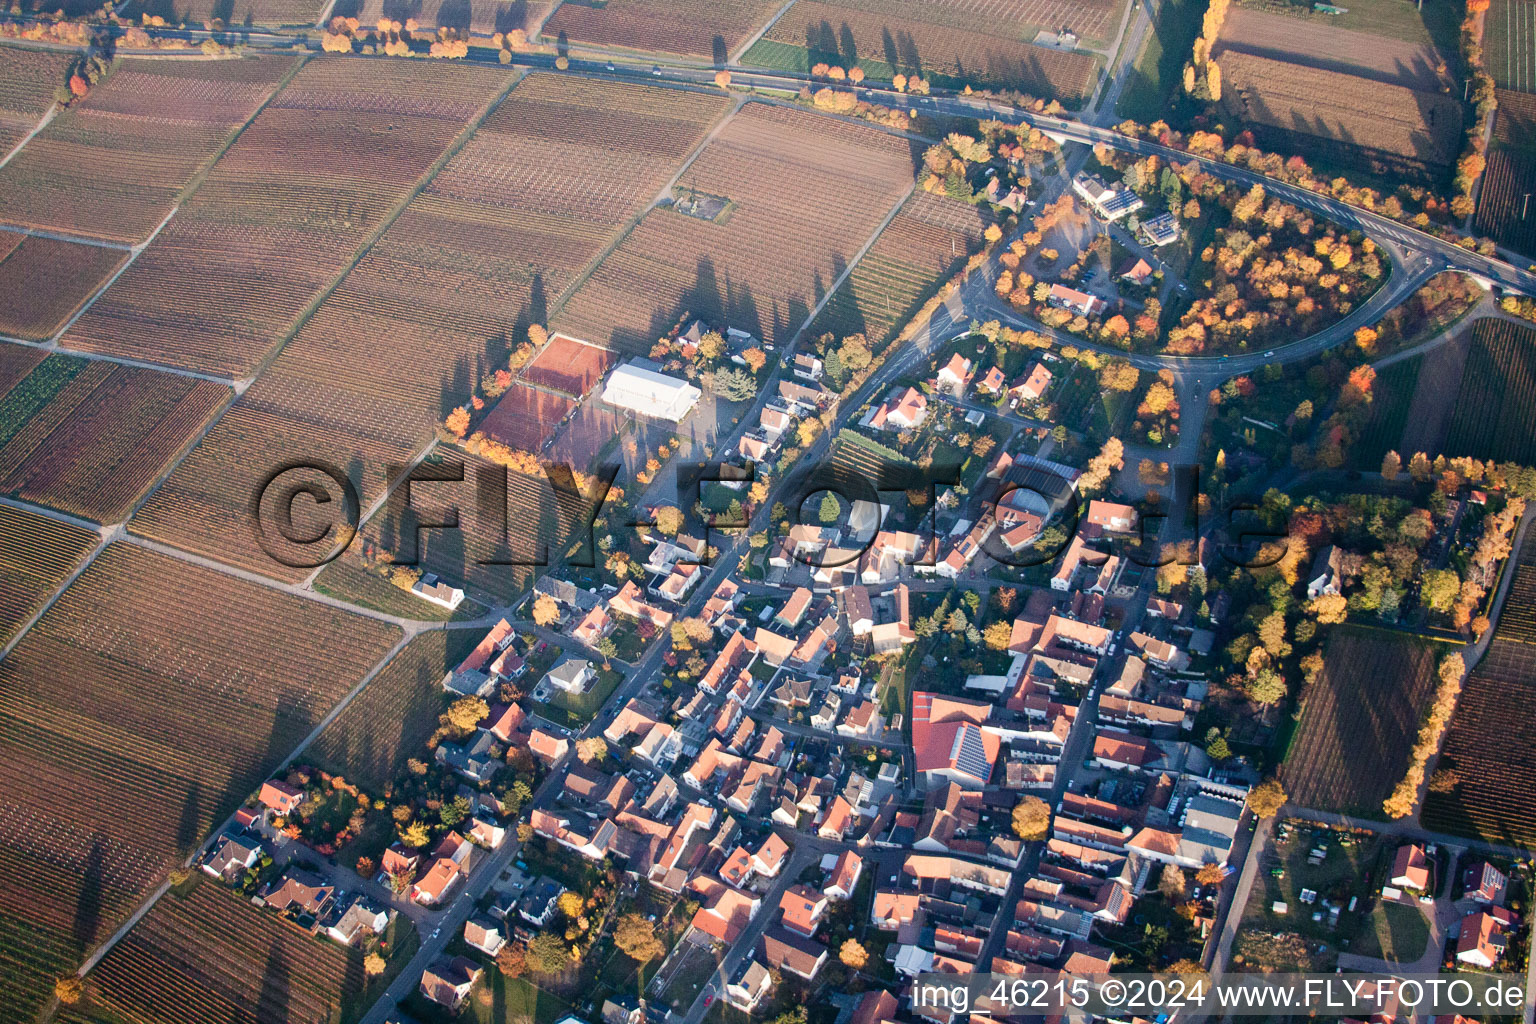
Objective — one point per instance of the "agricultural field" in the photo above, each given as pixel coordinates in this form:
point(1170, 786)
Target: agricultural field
point(1094, 21)
point(921, 248)
point(493, 558)
point(1407, 21)
point(1509, 44)
point(1319, 43)
point(526, 417)
point(1377, 127)
point(44, 281)
point(482, 19)
point(1503, 209)
point(146, 704)
point(211, 958)
point(43, 932)
point(37, 554)
point(286, 202)
point(1358, 721)
point(395, 715)
point(239, 12)
point(114, 164)
point(1493, 798)
point(89, 437)
point(568, 365)
point(439, 301)
point(695, 28)
point(1496, 403)
point(27, 81)
point(1391, 399)
point(808, 193)
point(883, 43)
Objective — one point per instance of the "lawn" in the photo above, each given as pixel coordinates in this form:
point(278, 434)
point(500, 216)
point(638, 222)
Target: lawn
point(689, 977)
point(1161, 63)
point(498, 999)
point(1393, 932)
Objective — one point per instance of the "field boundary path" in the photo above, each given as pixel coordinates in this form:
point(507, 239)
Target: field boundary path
point(43, 122)
point(741, 50)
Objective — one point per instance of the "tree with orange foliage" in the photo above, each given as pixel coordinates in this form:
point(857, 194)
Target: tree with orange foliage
point(723, 79)
point(458, 422)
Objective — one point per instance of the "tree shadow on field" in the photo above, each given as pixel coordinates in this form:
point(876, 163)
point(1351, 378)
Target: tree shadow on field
point(401, 10)
point(275, 996)
point(719, 52)
point(88, 904)
point(454, 388)
point(455, 14)
point(848, 45)
point(511, 16)
point(187, 830)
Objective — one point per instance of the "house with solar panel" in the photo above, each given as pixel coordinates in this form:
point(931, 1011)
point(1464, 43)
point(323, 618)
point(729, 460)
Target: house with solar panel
point(1108, 202)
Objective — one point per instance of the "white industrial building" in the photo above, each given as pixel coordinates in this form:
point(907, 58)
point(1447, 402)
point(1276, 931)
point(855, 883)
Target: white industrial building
point(639, 387)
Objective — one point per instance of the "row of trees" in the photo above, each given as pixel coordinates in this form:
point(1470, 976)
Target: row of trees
point(1451, 671)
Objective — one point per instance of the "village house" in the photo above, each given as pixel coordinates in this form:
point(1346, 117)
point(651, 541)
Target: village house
point(1079, 302)
point(991, 383)
point(903, 409)
point(431, 588)
point(359, 919)
point(232, 857)
point(280, 796)
point(447, 982)
point(1410, 868)
point(1327, 576)
point(571, 675)
point(299, 892)
point(1137, 271)
point(748, 985)
point(1032, 387)
point(483, 934)
point(954, 375)
point(1484, 937)
point(450, 862)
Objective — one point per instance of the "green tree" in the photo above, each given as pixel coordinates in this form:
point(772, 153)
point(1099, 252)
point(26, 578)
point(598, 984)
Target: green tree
point(1218, 750)
point(415, 835)
point(831, 509)
point(547, 954)
point(734, 385)
point(454, 811)
point(1267, 687)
